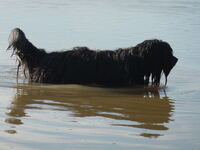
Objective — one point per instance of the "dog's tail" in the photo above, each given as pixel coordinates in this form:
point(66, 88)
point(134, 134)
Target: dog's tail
point(16, 39)
point(27, 54)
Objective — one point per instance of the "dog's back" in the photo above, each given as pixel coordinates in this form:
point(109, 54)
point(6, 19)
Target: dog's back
point(82, 65)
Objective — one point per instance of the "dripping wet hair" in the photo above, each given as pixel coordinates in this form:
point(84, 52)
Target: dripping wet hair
point(140, 64)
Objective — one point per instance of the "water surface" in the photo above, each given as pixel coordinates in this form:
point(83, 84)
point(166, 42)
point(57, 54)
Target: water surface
point(54, 117)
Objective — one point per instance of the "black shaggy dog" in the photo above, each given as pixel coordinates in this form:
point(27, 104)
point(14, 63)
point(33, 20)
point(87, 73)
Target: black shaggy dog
point(128, 66)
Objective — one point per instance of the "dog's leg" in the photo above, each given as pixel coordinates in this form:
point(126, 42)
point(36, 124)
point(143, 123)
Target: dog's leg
point(155, 78)
point(146, 79)
point(152, 78)
point(18, 70)
point(25, 73)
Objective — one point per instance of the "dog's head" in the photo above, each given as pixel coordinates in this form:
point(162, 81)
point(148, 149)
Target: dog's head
point(171, 62)
point(16, 40)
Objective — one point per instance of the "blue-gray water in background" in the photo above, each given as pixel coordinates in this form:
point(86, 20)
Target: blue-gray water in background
point(51, 117)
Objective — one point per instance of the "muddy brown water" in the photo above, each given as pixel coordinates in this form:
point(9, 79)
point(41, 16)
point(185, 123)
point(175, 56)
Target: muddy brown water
point(60, 117)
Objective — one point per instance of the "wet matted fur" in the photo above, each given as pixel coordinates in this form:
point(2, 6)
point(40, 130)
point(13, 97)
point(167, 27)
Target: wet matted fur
point(124, 66)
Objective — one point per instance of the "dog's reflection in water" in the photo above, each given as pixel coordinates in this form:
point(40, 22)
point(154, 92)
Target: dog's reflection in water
point(145, 108)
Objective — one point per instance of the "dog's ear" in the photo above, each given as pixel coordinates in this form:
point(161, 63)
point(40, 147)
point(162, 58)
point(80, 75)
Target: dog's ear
point(171, 62)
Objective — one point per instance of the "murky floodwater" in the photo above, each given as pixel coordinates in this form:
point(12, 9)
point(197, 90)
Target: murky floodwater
point(60, 117)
